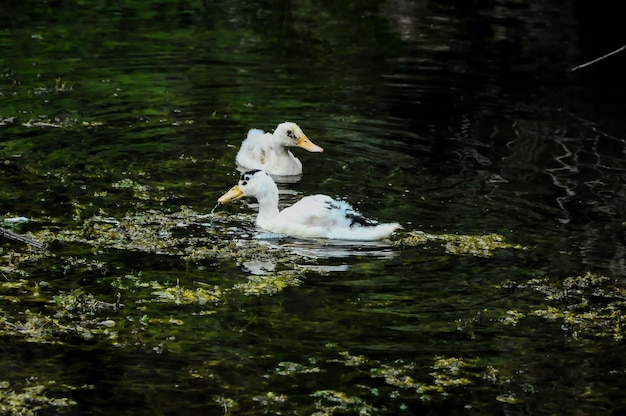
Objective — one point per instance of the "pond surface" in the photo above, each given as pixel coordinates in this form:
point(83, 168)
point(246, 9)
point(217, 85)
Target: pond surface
point(503, 294)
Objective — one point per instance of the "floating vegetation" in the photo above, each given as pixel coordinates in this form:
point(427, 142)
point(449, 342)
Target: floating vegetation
point(269, 401)
point(31, 400)
point(475, 245)
point(14, 262)
point(448, 373)
point(61, 85)
point(12, 285)
point(351, 360)
point(154, 310)
point(509, 398)
point(17, 264)
point(182, 233)
point(80, 305)
point(512, 317)
point(396, 375)
point(44, 329)
point(147, 231)
point(270, 284)
point(288, 368)
point(140, 191)
point(129, 282)
point(64, 315)
point(182, 296)
point(128, 183)
point(329, 402)
point(11, 270)
point(58, 123)
point(226, 403)
point(588, 305)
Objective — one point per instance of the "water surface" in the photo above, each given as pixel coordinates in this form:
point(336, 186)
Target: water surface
point(119, 127)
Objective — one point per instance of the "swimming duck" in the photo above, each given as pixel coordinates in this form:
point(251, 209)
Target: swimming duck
point(315, 216)
point(269, 151)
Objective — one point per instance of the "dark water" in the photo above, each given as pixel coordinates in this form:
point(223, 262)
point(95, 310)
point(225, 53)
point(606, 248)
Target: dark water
point(119, 126)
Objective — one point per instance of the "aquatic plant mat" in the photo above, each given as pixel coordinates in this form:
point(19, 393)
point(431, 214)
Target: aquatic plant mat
point(175, 288)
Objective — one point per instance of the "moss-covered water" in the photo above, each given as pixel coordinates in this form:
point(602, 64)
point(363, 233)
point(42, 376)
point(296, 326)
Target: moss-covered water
point(119, 125)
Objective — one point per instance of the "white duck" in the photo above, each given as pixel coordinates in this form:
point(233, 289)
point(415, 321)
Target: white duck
point(315, 216)
point(269, 151)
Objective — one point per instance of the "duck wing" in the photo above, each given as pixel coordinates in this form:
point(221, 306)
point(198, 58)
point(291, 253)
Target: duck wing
point(322, 216)
point(253, 152)
point(308, 217)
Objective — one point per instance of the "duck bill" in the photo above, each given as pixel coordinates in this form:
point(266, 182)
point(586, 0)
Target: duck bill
point(232, 195)
point(305, 143)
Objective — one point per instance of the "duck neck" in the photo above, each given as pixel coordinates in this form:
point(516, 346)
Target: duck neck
point(268, 208)
point(283, 155)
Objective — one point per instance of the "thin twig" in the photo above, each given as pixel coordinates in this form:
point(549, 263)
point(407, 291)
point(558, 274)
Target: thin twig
point(17, 237)
point(618, 50)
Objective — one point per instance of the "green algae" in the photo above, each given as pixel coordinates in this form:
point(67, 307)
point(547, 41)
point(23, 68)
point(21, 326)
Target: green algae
point(397, 375)
point(289, 368)
point(140, 191)
point(352, 360)
point(45, 329)
point(330, 402)
point(184, 296)
point(160, 232)
point(67, 314)
point(32, 398)
point(15, 263)
point(130, 321)
point(226, 403)
point(272, 284)
point(589, 305)
point(271, 401)
point(151, 231)
point(448, 373)
point(459, 244)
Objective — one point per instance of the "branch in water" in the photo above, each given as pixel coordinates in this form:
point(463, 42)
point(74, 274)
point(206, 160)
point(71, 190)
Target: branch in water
point(17, 237)
point(598, 59)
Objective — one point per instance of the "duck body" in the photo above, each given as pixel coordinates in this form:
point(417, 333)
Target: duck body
point(315, 216)
point(270, 151)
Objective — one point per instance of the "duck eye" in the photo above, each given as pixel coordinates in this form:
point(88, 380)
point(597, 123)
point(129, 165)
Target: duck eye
point(289, 133)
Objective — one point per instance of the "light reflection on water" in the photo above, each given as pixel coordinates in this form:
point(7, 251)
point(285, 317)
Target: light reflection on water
point(333, 249)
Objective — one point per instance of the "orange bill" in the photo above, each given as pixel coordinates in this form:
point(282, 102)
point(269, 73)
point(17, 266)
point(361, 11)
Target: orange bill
point(232, 195)
point(305, 143)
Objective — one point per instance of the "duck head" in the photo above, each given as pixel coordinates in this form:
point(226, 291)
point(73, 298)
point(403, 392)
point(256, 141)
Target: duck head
point(290, 134)
point(255, 183)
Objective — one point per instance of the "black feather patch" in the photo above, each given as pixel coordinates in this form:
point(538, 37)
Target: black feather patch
point(331, 204)
point(358, 220)
point(245, 177)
